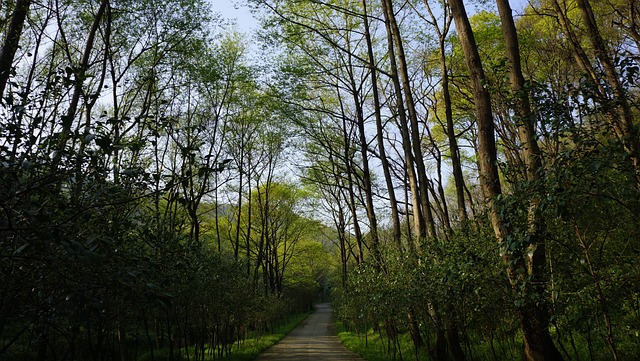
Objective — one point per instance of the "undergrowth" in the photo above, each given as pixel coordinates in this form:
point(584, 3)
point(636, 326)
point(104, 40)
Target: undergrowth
point(244, 350)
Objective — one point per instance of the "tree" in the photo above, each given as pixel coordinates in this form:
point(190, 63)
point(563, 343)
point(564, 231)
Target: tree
point(446, 95)
point(535, 328)
point(534, 318)
point(12, 41)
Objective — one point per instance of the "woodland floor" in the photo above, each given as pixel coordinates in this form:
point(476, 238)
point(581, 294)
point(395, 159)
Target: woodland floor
point(315, 339)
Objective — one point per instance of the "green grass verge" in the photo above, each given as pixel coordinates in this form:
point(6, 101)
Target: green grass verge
point(245, 350)
point(373, 347)
point(254, 346)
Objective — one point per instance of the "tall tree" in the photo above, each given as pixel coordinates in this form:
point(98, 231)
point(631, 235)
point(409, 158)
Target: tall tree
point(535, 318)
point(416, 140)
point(12, 42)
point(382, 154)
point(419, 223)
point(621, 119)
point(446, 95)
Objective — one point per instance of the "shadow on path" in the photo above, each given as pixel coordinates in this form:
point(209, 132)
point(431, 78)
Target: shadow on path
point(315, 339)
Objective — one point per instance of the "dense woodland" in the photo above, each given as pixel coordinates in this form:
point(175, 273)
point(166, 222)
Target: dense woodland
point(466, 176)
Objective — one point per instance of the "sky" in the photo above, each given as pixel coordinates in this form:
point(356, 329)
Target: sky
point(234, 10)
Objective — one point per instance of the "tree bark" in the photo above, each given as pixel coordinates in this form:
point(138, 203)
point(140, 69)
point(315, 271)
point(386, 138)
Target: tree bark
point(416, 142)
point(11, 42)
point(395, 218)
point(487, 153)
point(623, 122)
point(366, 174)
point(418, 220)
point(535, 317)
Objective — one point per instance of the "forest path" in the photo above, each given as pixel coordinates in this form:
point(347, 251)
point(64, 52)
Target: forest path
point(315, 339)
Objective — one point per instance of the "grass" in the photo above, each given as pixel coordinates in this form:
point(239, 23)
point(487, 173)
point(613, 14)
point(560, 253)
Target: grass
point(374, 347)
point(254, 346)
point(251, 347)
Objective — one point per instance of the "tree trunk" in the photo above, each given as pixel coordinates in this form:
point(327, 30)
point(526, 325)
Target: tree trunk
point(236, 246)
point(487, 153)
point(352, 197)
point(416, 142)
point(623, 123)
point(84, 63)
point(11, 42)
point(535, 317)
point(249, 223)
point(366, 174)
point(395, 218)
point(451, 135)
point(342, 234)
point(418, 220)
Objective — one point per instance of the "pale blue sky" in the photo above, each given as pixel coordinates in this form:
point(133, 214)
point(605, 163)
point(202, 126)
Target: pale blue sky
point(233, 9)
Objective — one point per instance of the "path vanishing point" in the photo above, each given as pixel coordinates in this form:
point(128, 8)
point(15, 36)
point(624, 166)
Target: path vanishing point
point(315, 339)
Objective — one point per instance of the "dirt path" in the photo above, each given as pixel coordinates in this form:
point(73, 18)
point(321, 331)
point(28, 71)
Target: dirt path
point(315, 339)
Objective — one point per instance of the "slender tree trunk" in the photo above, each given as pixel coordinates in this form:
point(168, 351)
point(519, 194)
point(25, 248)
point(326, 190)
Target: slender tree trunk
point(416, 140)
point(449, 317)
point(80, 73)
point(262, 244)
point(534, 323)
point(450, 324)
point(623, 122)
point(453, 141)
point(84, 62)
point(352, 198)
point(395, 218)
point(90, 103)
point(487, 152)
point(249, 221)
point(407, 211)
point(236, 246)
point(418, 220)
point(535, 319)
point(341, 226)
point(366, 174)
point(11, 42)
point(26, 92)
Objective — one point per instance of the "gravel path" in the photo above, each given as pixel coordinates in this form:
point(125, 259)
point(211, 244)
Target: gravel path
point(315, 339)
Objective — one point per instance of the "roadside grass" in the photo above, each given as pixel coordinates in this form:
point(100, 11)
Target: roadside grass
point(254, 345)
point(243, 350)
point(374, 347)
